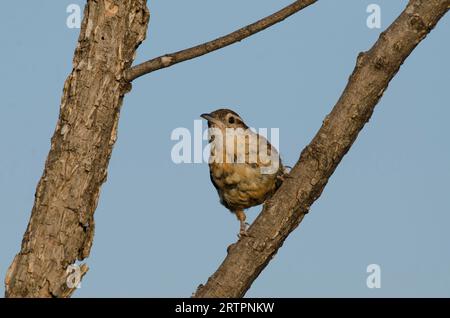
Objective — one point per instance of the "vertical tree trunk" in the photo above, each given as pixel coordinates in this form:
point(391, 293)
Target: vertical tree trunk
point(61, 227)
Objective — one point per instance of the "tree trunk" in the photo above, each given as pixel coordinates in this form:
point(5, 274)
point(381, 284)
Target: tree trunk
point(286, 209)
point(61, 227)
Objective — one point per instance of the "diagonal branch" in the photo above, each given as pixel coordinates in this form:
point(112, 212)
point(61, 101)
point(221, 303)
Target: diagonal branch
point(283, 213)
point(202, 49)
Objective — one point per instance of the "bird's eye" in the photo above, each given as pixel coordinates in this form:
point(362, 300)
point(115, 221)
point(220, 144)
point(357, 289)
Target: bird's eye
point(231, 120)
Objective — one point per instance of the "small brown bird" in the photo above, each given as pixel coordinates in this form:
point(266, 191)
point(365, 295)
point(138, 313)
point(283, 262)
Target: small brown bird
point(244, 167)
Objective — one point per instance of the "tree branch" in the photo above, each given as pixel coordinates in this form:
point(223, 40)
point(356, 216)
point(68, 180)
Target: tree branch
point(61, 227)
point(208, 47)
point(287, 208)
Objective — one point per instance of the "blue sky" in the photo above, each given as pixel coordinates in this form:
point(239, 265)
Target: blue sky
point(160, 230)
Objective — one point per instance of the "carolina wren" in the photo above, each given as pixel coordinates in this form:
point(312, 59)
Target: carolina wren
point(244, 167)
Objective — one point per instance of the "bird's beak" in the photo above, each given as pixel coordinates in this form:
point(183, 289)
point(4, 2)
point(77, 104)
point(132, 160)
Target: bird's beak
point(208, 117)
point(211, 119)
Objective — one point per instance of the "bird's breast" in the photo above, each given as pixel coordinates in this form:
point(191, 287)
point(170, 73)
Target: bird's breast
point(237, 171)
point(241, 186)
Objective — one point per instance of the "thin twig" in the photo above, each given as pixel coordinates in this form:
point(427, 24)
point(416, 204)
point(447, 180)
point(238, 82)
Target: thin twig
point(202, 49)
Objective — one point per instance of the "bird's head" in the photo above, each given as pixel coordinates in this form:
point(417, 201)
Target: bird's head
point(224, 118)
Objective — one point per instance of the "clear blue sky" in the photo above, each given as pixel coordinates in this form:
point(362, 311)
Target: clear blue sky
point(160, 230)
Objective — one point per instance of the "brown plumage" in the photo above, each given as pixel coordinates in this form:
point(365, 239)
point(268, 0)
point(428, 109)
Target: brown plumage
point(244, 167)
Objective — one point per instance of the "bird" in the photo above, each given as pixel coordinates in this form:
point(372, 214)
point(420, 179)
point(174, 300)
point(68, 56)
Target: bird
point(244, 167)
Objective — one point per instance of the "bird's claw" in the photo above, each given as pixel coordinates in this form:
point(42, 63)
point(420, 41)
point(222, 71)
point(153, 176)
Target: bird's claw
point(243, 231)
point(242, 234)
point(283, 177)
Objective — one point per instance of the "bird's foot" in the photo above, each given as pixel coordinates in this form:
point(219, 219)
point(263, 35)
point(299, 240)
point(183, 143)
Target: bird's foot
point(243, 230)
point(283, 177)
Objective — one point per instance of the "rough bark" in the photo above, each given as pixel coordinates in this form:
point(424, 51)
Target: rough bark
point(61, 227)
point(286, 209)
point(208, 47)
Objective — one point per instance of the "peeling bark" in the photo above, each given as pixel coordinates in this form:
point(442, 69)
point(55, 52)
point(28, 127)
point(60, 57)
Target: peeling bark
point(286, 209)
point(61, 228)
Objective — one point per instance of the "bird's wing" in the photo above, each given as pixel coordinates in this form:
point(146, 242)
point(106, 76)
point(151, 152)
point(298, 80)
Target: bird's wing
point(262, 154)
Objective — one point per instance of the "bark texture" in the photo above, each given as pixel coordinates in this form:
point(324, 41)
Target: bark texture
point(208, 47)
point(61, 227)
point(286, 209)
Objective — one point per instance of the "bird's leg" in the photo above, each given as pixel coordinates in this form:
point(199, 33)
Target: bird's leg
point(243, 226)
